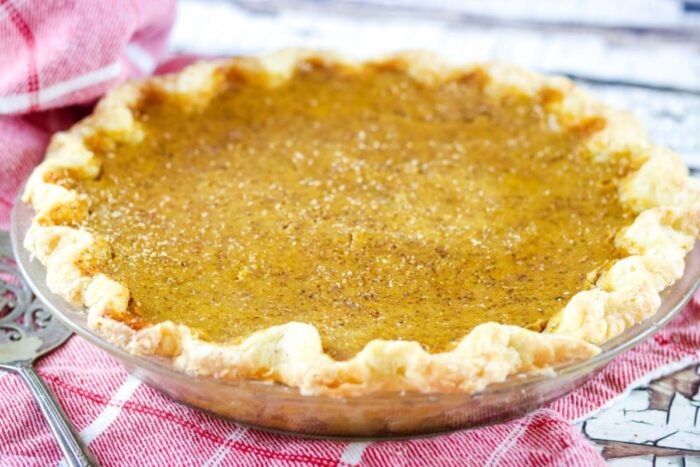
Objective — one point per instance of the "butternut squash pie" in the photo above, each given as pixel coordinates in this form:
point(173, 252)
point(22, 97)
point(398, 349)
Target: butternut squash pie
point(348, 228)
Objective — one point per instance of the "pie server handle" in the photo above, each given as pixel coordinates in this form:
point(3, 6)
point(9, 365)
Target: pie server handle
point(76, 454)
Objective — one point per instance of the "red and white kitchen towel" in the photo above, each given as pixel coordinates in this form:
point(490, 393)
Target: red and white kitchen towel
point(56, 58)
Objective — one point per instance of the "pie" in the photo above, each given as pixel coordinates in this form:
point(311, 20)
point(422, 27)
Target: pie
point(348, 228)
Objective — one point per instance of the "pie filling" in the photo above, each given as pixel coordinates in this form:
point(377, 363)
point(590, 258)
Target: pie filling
point(364, 203)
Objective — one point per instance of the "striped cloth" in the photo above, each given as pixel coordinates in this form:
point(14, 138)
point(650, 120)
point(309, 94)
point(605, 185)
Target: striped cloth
point(57, 56)
point(58, 59)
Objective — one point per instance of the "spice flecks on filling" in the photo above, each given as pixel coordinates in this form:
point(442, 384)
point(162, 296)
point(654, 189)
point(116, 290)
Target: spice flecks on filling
point(366, 204)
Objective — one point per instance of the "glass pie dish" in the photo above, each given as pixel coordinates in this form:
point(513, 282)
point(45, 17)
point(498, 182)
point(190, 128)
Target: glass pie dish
point(279, 408)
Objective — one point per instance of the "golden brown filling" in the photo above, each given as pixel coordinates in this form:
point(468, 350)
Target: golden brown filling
point(366, 204)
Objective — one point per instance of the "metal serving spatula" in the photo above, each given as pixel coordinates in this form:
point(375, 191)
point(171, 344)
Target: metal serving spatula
point(28, 331)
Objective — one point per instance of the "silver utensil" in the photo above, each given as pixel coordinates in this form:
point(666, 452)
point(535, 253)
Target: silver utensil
point(28, 331)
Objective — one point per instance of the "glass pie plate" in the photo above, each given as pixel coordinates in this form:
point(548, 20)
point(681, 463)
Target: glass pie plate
point(279, 408)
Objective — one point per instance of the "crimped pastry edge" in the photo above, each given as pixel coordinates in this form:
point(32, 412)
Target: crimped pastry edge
point(666, 199)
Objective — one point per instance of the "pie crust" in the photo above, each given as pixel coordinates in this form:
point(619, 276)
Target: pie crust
point(665, 200)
